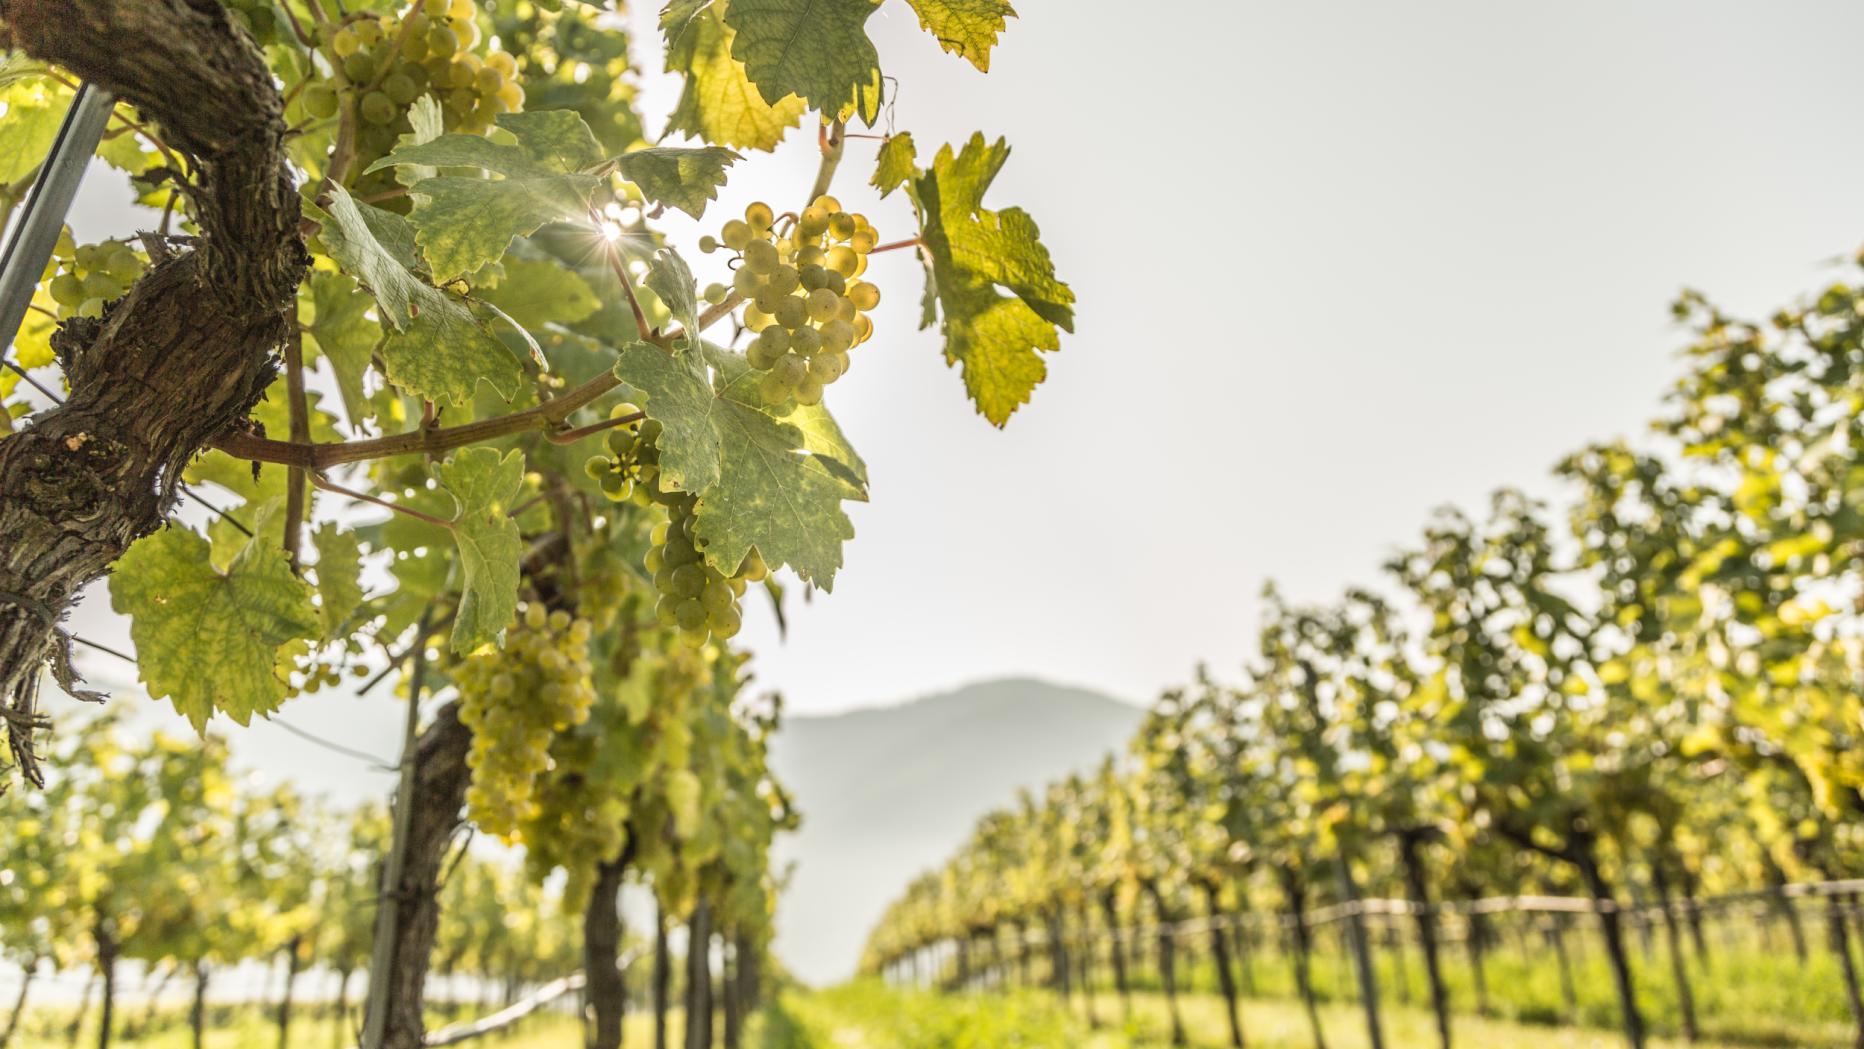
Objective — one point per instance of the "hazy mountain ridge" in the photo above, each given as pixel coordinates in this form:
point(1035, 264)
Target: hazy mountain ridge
point(888, 792)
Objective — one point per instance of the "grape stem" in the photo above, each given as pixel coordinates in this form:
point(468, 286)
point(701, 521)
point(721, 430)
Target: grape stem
point(441, 439)
point(320, 481)
point(910, 242)
point(831, 142)
point(580, 432)
point(300, 431)
point(627, 281)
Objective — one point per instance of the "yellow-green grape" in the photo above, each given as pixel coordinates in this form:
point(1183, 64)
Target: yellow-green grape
point(401, 88)
point(378, 108)
point(715, 293)
point(708, 244)
point(346, 42)
point(805, 304)
point(516, 699)
point(67, 289)
point(319, 101)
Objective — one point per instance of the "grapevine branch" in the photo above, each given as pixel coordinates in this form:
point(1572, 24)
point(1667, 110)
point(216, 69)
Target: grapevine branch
point(438, 440)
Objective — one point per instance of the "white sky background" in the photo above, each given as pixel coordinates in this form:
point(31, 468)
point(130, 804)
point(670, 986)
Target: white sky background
point(1337, 263)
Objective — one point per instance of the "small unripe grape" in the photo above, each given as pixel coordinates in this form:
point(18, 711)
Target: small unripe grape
point(598, 467)
point(772, 390)
point(489, 81)
point(792, 312)
point(736, 234)
point(810, 255)
point(435, 8)
point(441, 42)
point(864, 295)
point(346, 42)
point(320, 101)
point(369, 30)
point(401, 88)
point(761, 256)
point(812, 277)
point(825, 367)
point(837, 335)
point(359, 67)
point(784, 279)
point(715, 293)
point(828, 204)
point(790, 368)
point(378, 108)
point(708, 244)
point(67, 289)
point(512, 94)
point(863, 241)
point(462, 71)
point(805, 341)
point(823, 305)
point(690, 614)
point(843, 260)
point(809, 391)
point(102, 286)
point(725, 623)
point(841, 227)
point(768, 298)
point(757, 320)
point(759, 216)
point(746, 283)
point(814, 222)
point(863, 329)
point(92, 308)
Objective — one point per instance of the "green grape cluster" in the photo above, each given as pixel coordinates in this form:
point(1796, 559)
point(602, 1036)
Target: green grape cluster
point(80, 278)
point(259, 17)
point(804, 301)
point(627, 473)
point(695, 596)
point(387, 62)
point(579, 818)
point(516, 699)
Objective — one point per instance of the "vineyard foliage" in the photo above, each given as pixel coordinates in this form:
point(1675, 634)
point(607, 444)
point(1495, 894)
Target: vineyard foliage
point(1650, 695)
point(509, 446)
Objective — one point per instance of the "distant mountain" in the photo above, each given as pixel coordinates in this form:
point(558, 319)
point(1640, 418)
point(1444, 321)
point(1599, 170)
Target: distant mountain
point(889, 792)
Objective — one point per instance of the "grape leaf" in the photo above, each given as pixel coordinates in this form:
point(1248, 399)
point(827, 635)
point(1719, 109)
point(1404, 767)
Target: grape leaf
point(670, 278)
point(822, 436)
point(535, 293)
point(718, 102)
point(682, 178)
point(967, 28)
point(997, 339)
point(342, 331)
point(677, 394)
point(817, 50)
point(425, 123)
point(485, 486)
point(898, 161)
point(339, 577)
point(463, 222)
point(435, 347)
point(759, 479)
point(34, 110)
point(209, 640)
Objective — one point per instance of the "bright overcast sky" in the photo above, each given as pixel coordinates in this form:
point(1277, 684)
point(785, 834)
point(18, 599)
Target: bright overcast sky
point(1337, 264)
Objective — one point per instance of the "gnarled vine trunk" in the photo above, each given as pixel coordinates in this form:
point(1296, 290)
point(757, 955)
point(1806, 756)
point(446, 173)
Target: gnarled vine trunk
point(440, 777)
point(184, 355)
point(604, 992)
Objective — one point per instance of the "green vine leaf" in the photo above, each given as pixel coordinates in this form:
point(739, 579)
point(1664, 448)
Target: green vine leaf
point(817, 50)
point(897, 163)
point(997, 339)
point(463, 222)
point(762, 481)
point(206, 639)
point(686, 179)
point(968, 28)
point(343, 332)
point(485, 486)
point(536, 293)
point(669, 277)
point(339, 577)
point(718, 102)
point(435, 347)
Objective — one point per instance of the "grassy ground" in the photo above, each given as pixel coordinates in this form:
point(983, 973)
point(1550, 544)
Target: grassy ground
point(870, 1017)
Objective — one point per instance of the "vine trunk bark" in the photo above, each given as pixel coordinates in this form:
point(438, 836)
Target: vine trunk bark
point(604, 992)
point(182, 357)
